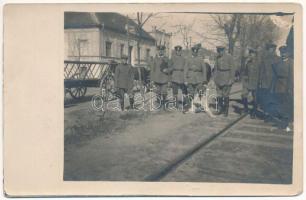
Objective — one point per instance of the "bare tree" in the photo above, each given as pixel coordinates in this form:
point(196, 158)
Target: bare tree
point(255, 31)
point(212, 39)
point(231, 26)
point(141, 20)
point(185, 31)
point(242, 31)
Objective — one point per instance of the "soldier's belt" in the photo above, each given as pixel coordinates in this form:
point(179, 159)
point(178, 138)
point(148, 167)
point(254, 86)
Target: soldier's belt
point(178, 70)
point(195, 70)
point(223, 70)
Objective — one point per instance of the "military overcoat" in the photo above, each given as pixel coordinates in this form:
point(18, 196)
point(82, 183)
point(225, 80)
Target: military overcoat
point(224, 70)
point(268, 60)
point(252, 73)
point(124, 76)
point(283, 77)
point(195, 70)
point(156, 73)
point(177, 68)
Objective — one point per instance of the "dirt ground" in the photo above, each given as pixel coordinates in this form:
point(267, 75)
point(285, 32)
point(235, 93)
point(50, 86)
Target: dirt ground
point(132, 145)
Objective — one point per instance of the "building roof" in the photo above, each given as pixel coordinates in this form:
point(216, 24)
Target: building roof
point(161, 32)
point(110, 21)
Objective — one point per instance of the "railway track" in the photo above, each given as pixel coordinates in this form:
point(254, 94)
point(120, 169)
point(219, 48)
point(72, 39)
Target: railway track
point(245, 150)
point(181, 158)
point(188, 148)
point(240, 132)
point(202, 144)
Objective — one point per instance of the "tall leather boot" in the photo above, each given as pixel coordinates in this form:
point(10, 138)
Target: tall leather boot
point(191, 107)
point(177, 102)
point(131, 103)
point(188, 103)
point(245, 105)
point(185, 103)
point(219, 106)
point(254, 110)
point(164, 99)
point(225, 106)
point(122, 104)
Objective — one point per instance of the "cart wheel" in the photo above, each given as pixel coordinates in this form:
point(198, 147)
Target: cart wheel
point(78, 92)
point(66, 90)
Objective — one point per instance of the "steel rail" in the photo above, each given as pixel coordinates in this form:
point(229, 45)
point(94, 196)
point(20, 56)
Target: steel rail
point(158, 175)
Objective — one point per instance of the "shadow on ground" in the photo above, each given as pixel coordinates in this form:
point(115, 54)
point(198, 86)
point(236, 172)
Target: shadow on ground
point(81, 127)
point(70, 102)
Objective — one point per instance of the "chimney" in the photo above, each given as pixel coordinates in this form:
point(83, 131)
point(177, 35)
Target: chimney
point(94, 18)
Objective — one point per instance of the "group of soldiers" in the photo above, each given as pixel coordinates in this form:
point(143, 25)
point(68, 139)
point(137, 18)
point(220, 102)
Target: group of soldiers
point(269, 79)
point(190, 75)
point(266, 76)
point(186, 74)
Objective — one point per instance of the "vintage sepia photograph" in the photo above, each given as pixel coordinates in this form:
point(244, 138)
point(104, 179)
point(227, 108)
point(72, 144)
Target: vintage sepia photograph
point(178, 97)
point(153, 99)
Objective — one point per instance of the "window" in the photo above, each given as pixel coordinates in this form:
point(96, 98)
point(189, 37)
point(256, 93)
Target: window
point(121, 50)
point(83, 47)
point(130, 54)
point(148, 54)
point(108, 46)
point(139, 58)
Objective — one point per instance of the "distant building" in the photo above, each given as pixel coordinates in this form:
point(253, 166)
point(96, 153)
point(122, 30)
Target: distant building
point(101, 36)
point(162, 38)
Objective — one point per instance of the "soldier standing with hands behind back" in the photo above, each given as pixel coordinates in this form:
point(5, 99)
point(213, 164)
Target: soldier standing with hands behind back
point(250, 75)
point(224, 78)
point(282, 88)
point(124, 80)
point(177, 78)
point(159, 74)
point(194, 75)
point(268, 61)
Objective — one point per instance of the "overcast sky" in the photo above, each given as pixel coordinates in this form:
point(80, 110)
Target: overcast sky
point(203, 27)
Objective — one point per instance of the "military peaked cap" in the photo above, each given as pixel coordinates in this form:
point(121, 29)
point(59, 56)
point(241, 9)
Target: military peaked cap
point(252, 50)
point(124, 57)
point(283, 49)
point(161, 47)
point(194, 49)
point(220, 48)
point(178, 48)
point(270, 45)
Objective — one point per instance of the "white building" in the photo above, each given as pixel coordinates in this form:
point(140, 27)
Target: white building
point(162, 38)
point(98, 36)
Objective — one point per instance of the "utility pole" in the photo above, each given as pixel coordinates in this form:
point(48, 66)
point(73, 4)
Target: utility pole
point(128, 39)
point(102, 42)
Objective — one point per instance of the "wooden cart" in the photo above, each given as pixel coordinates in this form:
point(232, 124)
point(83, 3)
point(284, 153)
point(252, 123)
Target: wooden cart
point(79, 75)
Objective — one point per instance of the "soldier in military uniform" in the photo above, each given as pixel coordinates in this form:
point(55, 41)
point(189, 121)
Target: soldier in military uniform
point(250, 76)
point(282, 88)
point(124, 79)
point(268, 60)
point(177, 77)
point(194, 75)
point(160, 74)
point(224, 78)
